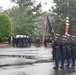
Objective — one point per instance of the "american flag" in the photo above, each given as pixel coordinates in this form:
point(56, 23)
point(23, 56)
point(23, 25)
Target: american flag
point(67, 25)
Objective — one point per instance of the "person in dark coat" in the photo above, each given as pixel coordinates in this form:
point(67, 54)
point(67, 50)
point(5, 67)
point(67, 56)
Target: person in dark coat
point(29, 41)
point(63, 51)
point(19, 41)
point(73, 50)
point(22, 41)
point(68, 50)
point(14, 41)
point(9, 39)
point(26, 41)
point(56, 51)
point(0, 39)
point(45, 42)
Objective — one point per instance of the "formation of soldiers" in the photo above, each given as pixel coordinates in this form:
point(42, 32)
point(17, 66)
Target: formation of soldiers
point(64, 51)
point(22, 42)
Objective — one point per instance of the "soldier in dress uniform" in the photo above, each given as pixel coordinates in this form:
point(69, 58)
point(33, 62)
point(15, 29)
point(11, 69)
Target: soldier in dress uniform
point(73, 50)
point(45, 42)
point(63, 51)
point(26, 41)
point(19, 42)
point(22, 41)
point(14, 41)
point(56, 51)
point(68, 49)
point(29, 41)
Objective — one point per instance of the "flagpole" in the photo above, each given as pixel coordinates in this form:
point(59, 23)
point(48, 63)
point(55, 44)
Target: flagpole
point(67, 3)
point(67, 19)
point(44, 28)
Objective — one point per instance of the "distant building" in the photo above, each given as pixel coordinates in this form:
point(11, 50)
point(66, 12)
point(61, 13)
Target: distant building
point(1, 10)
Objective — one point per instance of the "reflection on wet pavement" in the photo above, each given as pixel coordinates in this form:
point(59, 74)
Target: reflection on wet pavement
point(24, 56)
point(29, 61)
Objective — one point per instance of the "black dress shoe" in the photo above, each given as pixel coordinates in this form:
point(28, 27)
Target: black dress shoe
point(62, 67)
point(55, 68)
point(66, 66)
point(73, 66)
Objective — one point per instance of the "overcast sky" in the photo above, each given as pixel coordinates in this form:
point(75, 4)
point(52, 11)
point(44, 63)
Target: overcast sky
point(5, 4)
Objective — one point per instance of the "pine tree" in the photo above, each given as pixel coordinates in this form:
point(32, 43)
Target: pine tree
point(59, 14)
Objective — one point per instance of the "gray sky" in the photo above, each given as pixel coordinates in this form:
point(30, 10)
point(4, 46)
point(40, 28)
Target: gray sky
point(5, 4)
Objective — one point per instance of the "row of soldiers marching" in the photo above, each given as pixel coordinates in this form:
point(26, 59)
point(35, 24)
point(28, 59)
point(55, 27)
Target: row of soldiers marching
point(64, 50)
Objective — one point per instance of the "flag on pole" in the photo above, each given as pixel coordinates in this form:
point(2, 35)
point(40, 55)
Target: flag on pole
point(67, 18)
point(67, 25)
point(48, 25)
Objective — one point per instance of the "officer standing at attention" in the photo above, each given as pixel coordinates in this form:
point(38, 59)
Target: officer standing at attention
point(63, 51)
point(68, 50)
point(73, 50)
point(56, 51)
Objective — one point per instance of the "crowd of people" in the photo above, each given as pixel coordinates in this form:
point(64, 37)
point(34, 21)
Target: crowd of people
point(64, 51)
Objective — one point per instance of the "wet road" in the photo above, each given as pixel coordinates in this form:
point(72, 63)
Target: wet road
point(29, 61)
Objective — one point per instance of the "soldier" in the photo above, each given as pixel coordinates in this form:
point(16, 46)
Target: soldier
point(63, 51)
point(22, 42)
point(73, 50)
point(19, 42)
point(29, 41)
point(14, 41)
point(9, 39)
point(56, 51)
point(45, 42)
point(26, 41)
point(68, 50)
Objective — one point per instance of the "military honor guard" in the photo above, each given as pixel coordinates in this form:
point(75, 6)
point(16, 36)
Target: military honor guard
point(63, 50)
point(56, 51)
point(73, 50)
point(68, 50)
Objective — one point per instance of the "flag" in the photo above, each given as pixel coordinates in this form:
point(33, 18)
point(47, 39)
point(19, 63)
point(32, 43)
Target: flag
point(67, 25)
point(48, 25)
point(67, 21)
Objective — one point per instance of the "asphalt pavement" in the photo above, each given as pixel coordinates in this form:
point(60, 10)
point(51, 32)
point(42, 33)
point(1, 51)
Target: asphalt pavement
point(29, 61)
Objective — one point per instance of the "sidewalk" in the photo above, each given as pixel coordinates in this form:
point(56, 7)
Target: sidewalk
point(4, 45)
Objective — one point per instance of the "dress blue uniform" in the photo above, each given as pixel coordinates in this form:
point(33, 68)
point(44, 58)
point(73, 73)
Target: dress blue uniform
point(73, 50)
point(63, 51)
point(68, 50)
point(56, 52)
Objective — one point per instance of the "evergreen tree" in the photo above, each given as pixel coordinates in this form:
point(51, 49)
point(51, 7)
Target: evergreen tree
point(25, 16)
point(5, 26)
point(59, 14)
